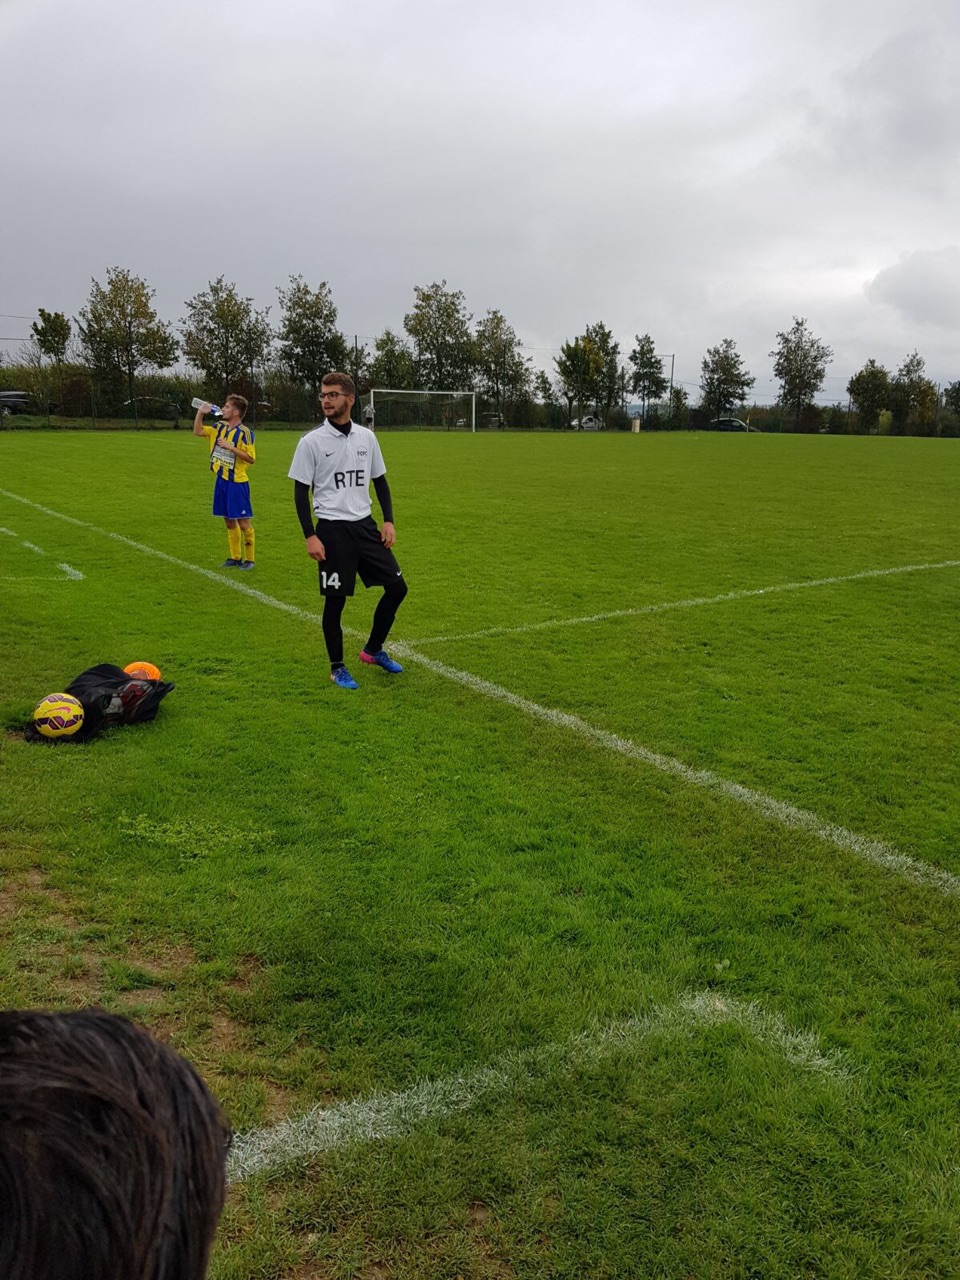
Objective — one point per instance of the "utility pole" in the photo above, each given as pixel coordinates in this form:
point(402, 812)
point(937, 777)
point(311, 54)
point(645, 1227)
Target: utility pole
point(672, 358)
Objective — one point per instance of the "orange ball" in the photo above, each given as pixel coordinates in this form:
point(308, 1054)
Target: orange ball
point(143, 670)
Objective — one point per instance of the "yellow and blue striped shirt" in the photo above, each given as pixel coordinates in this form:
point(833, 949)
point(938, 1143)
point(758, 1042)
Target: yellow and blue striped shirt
point(224, 464)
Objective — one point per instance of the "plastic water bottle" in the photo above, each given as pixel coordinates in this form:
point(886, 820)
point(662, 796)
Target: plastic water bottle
point(214, 409)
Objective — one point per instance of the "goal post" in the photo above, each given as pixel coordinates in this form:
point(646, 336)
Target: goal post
point(422, 410)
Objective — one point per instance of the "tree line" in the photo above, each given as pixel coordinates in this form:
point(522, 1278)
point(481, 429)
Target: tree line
point(112, 357)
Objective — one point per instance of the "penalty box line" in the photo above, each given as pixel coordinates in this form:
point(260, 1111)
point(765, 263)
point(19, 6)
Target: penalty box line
point(694, 602)
point(383, 1116)
point(876, 852)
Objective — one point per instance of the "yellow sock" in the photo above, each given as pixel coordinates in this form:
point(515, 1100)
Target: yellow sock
point(233, 542)
point(248, 539)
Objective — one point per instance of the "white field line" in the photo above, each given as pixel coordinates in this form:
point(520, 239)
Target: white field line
point(382, 1116)
point(212, 574)
point(74, 574)
point(787, 815)
point(876, 852)
point(69, 575)
point(693, 603)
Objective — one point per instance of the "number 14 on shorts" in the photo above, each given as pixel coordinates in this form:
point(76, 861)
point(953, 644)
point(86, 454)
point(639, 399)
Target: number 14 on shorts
point(330, 580)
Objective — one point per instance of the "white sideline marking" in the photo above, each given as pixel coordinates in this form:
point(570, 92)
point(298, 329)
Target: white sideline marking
point(876, 852)
point(222, 578)
point(390, 1115)
point(788, 815)
point(692, 603)
point(74, 574)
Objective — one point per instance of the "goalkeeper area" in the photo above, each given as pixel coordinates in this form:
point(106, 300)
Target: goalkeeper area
point(422, 410)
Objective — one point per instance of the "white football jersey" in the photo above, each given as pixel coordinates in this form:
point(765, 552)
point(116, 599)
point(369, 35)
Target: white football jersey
point(338, 468)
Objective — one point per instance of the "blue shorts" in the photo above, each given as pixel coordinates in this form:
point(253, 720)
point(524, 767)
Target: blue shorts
point(231, 499)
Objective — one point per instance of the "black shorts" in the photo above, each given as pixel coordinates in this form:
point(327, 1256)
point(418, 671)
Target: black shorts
point(352, 546)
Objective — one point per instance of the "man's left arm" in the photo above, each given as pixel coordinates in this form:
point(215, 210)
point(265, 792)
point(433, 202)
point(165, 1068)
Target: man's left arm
point(244, 456)
point(388, 534)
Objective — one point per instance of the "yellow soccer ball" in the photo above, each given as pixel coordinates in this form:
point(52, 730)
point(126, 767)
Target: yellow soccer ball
point(58, 715)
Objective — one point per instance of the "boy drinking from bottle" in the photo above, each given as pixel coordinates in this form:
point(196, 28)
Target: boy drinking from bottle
point(232, 450)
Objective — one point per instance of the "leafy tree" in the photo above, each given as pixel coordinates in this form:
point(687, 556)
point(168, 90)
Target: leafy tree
point(120, 332)
point(606, 380)
point(503, 372)
point(579, 368)
point(543, 388)
point(310, 343)
point(800, 363)
point(224, 336)
point(52, 336)
point(913, 399)
point(35, 374)
point(678, 410)
point(440, 329)
point(647, 379)
point(393, 366)
point(358, 361)
point(724, 382)
point(869, 391)
point(951, 397)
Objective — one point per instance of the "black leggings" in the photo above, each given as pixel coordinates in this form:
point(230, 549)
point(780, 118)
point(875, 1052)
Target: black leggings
point(383, 617)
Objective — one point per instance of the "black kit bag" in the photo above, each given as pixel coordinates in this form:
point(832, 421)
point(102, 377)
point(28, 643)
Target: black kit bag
point(109, 696)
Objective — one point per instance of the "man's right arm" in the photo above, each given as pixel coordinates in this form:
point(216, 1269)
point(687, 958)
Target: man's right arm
point(301, 498)
point(198, 422)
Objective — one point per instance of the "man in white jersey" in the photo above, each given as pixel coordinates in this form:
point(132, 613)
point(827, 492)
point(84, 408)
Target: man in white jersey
point(338, 460)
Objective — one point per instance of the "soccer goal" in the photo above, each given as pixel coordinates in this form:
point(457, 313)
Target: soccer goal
point(422, 410)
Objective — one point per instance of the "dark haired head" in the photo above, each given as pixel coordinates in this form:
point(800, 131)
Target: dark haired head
point(341, 380)
point(112, 1153)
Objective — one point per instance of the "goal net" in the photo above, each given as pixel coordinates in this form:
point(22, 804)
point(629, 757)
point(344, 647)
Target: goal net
point(422, 410)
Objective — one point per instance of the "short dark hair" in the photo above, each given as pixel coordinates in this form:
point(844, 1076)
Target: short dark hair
point(112, 1152)
point(241, 402)
point(341, 380)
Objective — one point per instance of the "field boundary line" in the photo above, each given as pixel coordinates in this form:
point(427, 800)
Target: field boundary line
point(787, 815)
point(73, 574)
point(382, 1116)
point(212, 574)
point(550, 624)
point(877, 852)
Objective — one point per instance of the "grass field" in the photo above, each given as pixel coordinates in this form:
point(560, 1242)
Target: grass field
point(611, 946)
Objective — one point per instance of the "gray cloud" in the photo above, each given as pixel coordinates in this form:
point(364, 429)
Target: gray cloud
point(924, 287)
point(702, 172)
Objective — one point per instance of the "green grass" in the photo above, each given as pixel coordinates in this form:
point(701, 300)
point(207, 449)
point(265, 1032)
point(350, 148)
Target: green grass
point(316, 895)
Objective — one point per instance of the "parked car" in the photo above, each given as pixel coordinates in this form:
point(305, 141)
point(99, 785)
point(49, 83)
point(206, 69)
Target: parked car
point(15, 402)
point(589, 423)
point(728, 424)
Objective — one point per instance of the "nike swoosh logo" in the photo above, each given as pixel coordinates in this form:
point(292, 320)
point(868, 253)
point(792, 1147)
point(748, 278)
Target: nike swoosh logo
point(329, 455)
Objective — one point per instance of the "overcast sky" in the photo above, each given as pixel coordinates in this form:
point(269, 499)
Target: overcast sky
point(696, 170)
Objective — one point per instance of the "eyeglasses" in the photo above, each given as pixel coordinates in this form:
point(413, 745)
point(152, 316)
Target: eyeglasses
point(332, 395)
